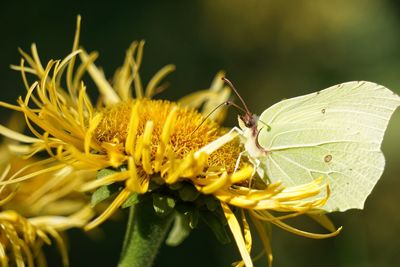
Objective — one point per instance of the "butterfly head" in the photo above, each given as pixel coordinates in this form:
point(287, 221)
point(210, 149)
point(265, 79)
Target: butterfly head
point(248, 120)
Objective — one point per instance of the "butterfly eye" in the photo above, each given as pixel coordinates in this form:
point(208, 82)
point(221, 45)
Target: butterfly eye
point(246, 120)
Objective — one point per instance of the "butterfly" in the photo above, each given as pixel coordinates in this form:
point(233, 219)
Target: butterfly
point(335, 133)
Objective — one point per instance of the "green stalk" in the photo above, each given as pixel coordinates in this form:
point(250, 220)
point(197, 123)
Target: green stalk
point(144, 234)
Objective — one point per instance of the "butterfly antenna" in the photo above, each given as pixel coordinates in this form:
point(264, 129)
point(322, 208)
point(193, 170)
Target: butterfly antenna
point(230, 84)
point(226, 103)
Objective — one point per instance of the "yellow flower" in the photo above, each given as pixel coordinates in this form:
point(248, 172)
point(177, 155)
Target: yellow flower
point(35, 211)
point(147, 141)
point(21, 239)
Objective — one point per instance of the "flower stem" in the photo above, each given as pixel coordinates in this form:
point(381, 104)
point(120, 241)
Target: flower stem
point(144, 233)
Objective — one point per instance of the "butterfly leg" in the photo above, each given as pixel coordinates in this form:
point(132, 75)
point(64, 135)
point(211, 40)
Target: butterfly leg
point(253, 161)
point(257, 168)
point(238, 160)
point(240, 132)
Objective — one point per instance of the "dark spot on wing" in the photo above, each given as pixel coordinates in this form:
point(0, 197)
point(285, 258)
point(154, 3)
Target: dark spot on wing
point(323, 111)
point(328, 158)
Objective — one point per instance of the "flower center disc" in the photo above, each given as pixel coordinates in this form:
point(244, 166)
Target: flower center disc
point(184, 138)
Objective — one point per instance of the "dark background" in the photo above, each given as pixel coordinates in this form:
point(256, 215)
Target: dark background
point(271, 50)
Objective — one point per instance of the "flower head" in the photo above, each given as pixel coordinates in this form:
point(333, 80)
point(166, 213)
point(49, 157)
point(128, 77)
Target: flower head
point(146, 146)
point(22, 239)
point(35, 212)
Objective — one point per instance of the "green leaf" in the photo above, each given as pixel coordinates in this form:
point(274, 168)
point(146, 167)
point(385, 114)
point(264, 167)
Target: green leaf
point(133, 199)
point(216, 225)
point(163, 205)
point(180, 230)
point(188, 192)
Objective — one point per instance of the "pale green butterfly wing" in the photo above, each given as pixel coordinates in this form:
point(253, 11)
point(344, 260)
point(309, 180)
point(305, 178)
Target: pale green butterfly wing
point(335, 133)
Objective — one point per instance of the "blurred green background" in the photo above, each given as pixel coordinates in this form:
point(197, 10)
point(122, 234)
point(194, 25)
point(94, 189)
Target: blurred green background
point(271, 50)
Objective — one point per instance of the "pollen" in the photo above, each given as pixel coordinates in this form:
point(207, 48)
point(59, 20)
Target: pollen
point(191, 132)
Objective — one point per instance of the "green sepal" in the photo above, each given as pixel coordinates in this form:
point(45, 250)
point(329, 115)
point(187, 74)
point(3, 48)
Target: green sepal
point(220, 214)
point(180, 230)
point(188, 192)
point(155, 183)
point(211, 202)
point(163, 205)
point(176, 186)
point(193, 218)
point(105, 172)
point(133, 199)
point(104, 191)
point(190, 213)
point(217, 225)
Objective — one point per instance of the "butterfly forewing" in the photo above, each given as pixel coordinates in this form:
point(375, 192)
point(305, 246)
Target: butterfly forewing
point(335, 133)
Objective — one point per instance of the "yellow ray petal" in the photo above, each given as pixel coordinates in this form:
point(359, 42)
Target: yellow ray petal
point(237, 234)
